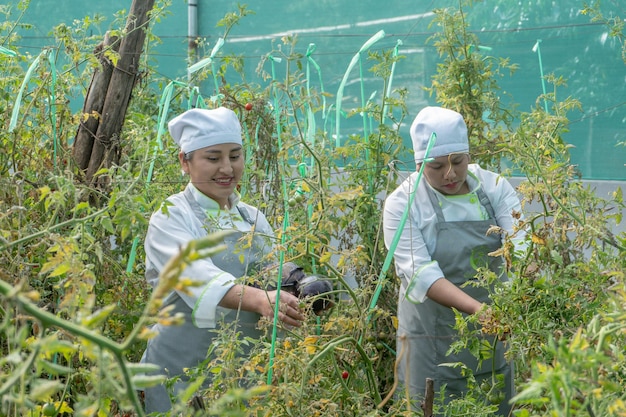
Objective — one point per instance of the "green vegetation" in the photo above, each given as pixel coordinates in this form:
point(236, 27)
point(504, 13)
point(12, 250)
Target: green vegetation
point(74, 306)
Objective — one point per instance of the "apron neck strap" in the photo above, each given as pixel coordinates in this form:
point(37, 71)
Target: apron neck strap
point(482, 197)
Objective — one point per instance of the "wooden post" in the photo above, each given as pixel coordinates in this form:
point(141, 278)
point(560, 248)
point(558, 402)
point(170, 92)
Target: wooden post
point(105, 149)
point(429, 398)
point(94, 102)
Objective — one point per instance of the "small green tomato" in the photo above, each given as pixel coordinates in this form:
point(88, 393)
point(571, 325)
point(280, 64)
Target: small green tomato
point(496, 398)
point(49, 409)
point(485, 386)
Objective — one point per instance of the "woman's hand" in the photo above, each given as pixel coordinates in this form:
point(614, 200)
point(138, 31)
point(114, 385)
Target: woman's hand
point(254, 299)
point(288, 311)
point(491, 325)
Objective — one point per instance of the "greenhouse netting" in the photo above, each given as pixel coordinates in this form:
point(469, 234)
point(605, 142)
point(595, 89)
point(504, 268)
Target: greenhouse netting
point(541, 37)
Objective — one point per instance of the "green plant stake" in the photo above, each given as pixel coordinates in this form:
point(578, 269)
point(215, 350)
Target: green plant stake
point(310, 119)
point(281, 254)
point(18, 99)
point(356, 58)
point(396, 236)
point(537, 49)
point(53, 106)
point(393, 70)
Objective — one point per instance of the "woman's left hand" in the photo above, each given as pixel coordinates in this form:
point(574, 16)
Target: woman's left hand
point(289, 308)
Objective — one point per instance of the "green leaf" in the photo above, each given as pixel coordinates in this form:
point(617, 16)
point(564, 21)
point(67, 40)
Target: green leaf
point(531, 392)
point(617, 195)
point(42, 389)
point(44, 191)
point(101, 171)
point(146, 381)
point(81, 205)
point(54, 368)
point(107, 224)
point(556, 257)
point(52, 345)
point(60, 270)
point(99, 316)
point(142, 368)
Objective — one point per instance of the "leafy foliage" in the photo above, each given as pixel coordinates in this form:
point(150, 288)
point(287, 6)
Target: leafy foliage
point(74, 305)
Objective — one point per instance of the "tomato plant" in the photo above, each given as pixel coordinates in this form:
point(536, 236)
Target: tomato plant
point(74, 304)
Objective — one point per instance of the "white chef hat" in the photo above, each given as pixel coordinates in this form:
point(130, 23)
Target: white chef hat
point(199, 128)
point(449, 127)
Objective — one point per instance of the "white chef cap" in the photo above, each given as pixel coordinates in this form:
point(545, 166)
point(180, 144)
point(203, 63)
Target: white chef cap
point(199, 128)
point(449, 127)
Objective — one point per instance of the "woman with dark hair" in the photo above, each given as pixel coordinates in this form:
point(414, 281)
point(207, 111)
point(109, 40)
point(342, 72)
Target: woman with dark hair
point(211, 154)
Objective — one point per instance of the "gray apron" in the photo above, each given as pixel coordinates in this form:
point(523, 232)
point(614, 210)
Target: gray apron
point(185, 345)
point(425, 330)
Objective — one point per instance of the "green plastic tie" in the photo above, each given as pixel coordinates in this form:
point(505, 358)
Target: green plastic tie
point(537, 49)
point(355, 59)
point(8, 52)
point(396, 236)
point(208, 60)
point(18, 100)
point(53, 106)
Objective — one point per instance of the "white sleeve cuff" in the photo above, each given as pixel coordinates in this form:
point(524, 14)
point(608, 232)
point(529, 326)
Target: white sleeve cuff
point(421, 282)
point(205, 299)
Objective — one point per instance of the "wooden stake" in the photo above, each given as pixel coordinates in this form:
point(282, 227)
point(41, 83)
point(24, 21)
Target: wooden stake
point(105, 147)
point(429, 398)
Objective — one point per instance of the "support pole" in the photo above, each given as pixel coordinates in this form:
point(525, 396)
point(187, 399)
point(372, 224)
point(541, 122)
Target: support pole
point(192, 34)
point(105, 148)
point(429, 398)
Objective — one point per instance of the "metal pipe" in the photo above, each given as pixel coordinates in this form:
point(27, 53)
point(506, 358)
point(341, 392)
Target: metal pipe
point(192, 32)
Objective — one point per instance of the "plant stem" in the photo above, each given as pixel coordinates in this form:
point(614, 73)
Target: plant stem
point(50, 320)
point(51, 228)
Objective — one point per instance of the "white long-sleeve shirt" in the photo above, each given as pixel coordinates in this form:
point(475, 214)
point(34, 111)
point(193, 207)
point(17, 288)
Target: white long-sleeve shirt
point(412, 255)
point(174, 225)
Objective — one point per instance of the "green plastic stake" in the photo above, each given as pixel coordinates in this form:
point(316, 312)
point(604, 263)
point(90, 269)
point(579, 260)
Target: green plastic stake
point(53, 106)
point(355, 59)
point(164, 106)
point(281, 253)
point(18, 99)
point(537, 49)
point(396, 236)
point(393, 70)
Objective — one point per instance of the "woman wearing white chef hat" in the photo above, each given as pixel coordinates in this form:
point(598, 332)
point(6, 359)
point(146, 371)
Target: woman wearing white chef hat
point(211, 154)
point(442, 243)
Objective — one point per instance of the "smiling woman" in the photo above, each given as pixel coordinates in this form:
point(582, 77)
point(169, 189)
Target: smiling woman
point(211, 153)
point(215, 170)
